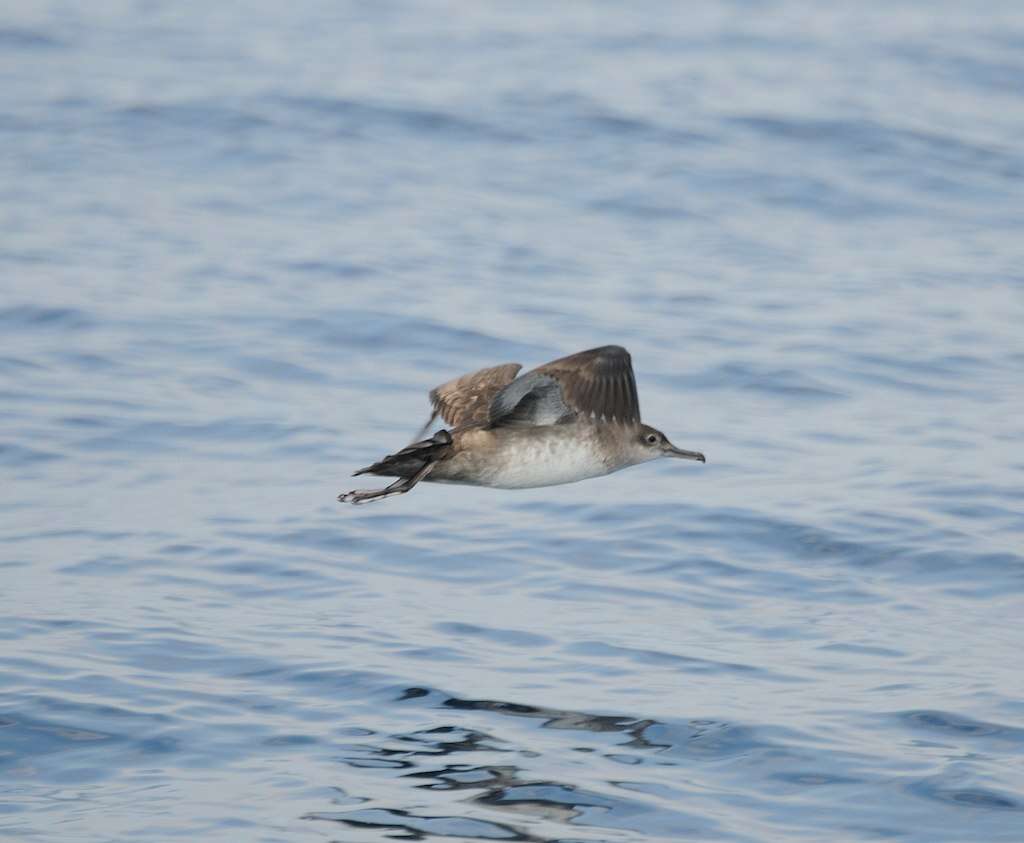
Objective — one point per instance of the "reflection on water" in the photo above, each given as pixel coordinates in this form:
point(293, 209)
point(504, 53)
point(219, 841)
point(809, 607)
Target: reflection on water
point(237, 251)
point(507, 789)
point(500, 796)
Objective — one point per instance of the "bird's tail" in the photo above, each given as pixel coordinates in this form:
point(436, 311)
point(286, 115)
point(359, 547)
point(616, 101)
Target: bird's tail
point(412, 458)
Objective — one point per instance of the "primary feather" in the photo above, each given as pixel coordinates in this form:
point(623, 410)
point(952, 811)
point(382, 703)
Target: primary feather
point(596, 384)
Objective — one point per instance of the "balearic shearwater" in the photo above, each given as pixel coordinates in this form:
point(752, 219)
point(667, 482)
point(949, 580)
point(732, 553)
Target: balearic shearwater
point(567, 420)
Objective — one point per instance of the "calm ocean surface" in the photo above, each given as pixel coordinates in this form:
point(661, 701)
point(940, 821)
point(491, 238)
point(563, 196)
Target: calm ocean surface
point(240, 241)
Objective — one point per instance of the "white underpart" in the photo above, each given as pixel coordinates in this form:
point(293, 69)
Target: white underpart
point(547, 462)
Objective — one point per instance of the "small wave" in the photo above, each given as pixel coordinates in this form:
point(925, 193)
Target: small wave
point(36, 318)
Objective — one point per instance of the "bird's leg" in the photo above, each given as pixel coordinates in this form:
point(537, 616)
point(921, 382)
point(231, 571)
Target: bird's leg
point(399, 487)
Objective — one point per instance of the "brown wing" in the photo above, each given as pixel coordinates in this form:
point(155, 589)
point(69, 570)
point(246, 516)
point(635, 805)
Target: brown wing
point(466, 400)
point(597, 384)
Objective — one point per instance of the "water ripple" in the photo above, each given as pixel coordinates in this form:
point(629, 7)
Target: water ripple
point(239, 247)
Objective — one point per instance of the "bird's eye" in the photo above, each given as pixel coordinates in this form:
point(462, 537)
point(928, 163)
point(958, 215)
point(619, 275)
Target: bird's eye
point(652, 438)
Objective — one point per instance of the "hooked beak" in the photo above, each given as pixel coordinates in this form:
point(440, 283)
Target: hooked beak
point(673, 451)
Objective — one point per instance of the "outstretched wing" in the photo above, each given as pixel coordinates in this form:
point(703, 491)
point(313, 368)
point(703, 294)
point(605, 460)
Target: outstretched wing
point(466, 400)
point(597, 384)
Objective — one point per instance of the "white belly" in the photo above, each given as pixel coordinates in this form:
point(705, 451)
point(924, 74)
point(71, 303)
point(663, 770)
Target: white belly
point(545, 462)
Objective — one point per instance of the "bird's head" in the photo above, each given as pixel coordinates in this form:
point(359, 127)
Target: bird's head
point(650, 444)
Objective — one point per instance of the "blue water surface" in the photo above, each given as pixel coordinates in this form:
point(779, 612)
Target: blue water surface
point(240, 241)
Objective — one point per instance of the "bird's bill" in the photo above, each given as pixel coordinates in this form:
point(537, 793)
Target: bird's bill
point(673, 451)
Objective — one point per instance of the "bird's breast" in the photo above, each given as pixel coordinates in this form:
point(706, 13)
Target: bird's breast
point(538, 457)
